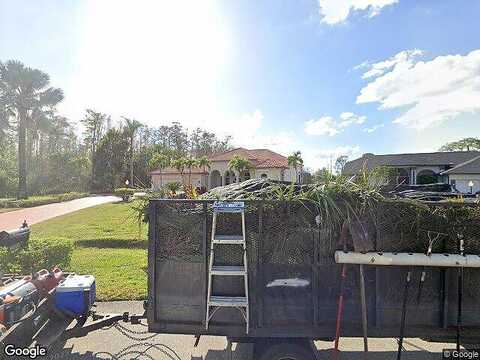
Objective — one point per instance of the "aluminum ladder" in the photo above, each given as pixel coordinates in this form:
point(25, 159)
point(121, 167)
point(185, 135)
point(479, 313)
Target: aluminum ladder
point(214, 303)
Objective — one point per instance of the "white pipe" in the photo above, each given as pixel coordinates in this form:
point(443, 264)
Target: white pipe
point(407, 259)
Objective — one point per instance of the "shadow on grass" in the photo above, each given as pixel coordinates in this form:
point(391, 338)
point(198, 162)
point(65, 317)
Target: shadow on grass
point(112, 243)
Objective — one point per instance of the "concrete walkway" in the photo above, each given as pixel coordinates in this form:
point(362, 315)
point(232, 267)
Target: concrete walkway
point(126, 343)
point(33, 215)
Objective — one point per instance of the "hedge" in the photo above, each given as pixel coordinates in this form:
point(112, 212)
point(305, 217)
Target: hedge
point(125, 193)
point(37, 255)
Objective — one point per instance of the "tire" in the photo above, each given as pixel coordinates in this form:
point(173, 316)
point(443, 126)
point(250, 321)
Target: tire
point(286, 351)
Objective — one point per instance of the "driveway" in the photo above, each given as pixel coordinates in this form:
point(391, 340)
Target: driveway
point(33, 215)
point(129, 341)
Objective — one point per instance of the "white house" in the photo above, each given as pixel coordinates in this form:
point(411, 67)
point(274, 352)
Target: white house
point(461, 169)
point(265, 164)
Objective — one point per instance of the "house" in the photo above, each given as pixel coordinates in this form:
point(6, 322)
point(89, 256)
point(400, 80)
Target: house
point(266, 164)
point(461, 169)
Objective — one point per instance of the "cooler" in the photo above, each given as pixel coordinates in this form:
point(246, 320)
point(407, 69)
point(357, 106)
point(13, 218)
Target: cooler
point(76, 295)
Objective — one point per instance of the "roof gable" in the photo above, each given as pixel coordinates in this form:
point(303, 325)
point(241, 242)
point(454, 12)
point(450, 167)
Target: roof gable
point(370, 161)
point(471, 166)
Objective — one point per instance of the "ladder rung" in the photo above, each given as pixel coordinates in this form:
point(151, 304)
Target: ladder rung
point(228, 270)
point(228, 239)
point(228, 301)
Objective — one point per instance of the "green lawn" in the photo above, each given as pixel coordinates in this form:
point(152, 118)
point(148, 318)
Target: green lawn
point(109, 244)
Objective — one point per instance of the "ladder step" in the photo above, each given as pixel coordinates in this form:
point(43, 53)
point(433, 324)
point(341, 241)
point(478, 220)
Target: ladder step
point(228, 239)
point(228, 270)
point(228, 301)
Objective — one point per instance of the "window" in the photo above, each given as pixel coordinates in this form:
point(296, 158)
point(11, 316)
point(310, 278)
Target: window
point(453, 183)
point(264, 176)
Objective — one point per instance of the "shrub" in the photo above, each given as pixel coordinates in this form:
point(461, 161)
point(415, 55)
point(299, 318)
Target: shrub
point(37, 255)
point(125, 193)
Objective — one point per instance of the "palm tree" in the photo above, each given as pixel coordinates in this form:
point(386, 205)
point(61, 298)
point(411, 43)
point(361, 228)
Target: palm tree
point(204, 162)
point(131, 128)
point(296, 161)
point(160, 162)
point(179, 164)
point(240, 164)
point(189, 164)
point(24, 90)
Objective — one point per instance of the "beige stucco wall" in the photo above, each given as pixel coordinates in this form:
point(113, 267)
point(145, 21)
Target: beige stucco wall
point(197, 180)
point(461, 182)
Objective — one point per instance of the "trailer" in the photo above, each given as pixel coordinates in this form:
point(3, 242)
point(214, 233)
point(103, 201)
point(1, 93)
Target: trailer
point(293, 282)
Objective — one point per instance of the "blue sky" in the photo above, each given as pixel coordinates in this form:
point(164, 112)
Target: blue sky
point(326, 77)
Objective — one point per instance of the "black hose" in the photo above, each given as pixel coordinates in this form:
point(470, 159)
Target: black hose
point(404, 315)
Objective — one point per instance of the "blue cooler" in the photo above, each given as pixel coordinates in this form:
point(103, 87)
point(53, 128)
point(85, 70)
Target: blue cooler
point(76, 295)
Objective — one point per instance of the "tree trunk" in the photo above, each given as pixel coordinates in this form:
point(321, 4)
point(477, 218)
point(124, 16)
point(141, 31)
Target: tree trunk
point(131, 162)
point(22, 160)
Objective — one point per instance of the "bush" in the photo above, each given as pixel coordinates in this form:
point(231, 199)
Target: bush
point(39, 254)
point(40, 200)
point(125, 193)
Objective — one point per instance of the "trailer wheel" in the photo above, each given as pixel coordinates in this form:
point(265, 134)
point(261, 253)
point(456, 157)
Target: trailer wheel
point(286, 351)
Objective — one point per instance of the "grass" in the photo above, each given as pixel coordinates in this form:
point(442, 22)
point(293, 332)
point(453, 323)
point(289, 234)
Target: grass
point(5, 210)
point(108, 244)
point(40, 200)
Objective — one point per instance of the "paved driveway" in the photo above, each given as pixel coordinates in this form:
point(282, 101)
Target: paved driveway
point(114, 343)
point(14, 219)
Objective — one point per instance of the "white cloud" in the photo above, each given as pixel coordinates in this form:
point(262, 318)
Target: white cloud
point(379, 68)
point(373, 128)
point(327, 125)
point(337, 11)
point(431, 91)
point(317, 159)
point(349, 118)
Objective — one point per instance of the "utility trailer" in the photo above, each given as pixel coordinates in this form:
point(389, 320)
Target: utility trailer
point(293, 282)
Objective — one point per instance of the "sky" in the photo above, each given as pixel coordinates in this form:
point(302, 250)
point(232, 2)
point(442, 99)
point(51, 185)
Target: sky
point(326, 77)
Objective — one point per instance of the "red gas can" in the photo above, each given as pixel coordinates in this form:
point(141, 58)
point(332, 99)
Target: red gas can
point(45, 280)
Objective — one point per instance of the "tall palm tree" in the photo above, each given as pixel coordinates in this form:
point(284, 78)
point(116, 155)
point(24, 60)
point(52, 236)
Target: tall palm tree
point(204, 162)
point(179, 164)
point(24, 90)
point(240, 164)
point(189, 164)
point(296, 161)
point(160, 162)
point(131, 128)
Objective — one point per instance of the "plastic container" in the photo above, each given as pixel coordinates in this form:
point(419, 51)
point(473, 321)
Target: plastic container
point(46, 280)
point(16, 300)
point(75, 295)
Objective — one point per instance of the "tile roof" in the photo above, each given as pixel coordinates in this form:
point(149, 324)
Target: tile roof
point(371, 161)
point(261, 158)
point(471, 166)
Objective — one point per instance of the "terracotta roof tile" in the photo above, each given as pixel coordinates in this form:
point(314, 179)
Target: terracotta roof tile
point(261, 158)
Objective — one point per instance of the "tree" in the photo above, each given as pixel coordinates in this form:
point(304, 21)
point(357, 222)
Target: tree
point(179, 164)
point(131, 128)
point(466, 144)
point(160, 162)
point(240, 164)
point(340, 163)
point(295, 160)
point(24, 90)
point(95, 123)
point(111, 161)
point(204, 162)
point(189, 164)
